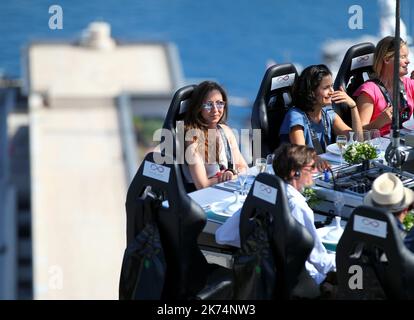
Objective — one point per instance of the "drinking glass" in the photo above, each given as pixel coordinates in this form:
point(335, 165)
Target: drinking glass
point(260, 165)
point(375, 138)
point(341, 142)
point(269, 163)
point(242, 177)
point(367, 135)
point(363, 136)
point(339, 202)
point(351, 137)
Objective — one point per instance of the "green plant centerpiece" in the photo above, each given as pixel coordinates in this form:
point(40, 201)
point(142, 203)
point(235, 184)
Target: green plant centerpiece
point(359, 152)
point(409, 221)
point(311, 197)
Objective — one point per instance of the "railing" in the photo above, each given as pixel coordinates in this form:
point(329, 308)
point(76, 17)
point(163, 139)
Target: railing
point(8, 243)
point(127, 134)
point(8, 238)
point(6, 100)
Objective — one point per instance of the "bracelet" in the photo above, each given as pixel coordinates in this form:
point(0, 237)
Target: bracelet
point(232, 171)
point(353, 107)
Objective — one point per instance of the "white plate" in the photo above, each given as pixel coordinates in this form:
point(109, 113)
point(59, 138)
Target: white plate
point(333, 148)
point(227, 207)
point(329, 245)
point(409, 125)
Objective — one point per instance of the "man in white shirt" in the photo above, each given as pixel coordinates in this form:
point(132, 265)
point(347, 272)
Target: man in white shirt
point(295, 164)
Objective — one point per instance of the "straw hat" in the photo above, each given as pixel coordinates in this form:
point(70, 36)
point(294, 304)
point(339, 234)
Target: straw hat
point(389, 193)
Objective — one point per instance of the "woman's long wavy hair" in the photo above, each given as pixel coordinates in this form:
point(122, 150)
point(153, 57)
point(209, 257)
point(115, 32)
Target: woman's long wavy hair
point(385, 48)
point(194, 120)
point(303, 96)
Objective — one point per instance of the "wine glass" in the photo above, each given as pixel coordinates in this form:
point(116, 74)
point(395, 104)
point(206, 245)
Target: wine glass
point(242, 178)
point(376, 138)
point(341, 142)
point(363, 136)
point(351, 137)
point(367, 135)
point(260, 165)
point(339, 203)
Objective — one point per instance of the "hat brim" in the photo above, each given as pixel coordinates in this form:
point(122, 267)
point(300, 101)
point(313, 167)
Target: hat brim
point(405, 203)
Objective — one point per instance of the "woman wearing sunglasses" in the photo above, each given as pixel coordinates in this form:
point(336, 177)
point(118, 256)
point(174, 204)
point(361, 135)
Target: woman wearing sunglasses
point(211, 151)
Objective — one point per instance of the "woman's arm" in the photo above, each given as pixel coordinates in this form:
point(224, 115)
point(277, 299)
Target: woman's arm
point(339, 126)
point(197, 169)
point(366, 108)
point(296, 135)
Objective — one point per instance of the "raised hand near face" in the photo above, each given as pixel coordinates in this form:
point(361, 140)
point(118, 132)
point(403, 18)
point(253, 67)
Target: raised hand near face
point(340, 96)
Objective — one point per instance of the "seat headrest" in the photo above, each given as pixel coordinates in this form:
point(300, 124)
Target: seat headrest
point(373, 226)
point(282, 81)
point(367, 221)
point(362, 61)
point(184, 106)
point(156, 171)
point(265, 190)
point(178, 106)
point(355, 69)
point(359, 56)
point(271, 103)
point(267, 193)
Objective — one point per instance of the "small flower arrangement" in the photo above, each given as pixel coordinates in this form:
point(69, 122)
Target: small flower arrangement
point(311, 197)
point(409, 221)
point(357, 152)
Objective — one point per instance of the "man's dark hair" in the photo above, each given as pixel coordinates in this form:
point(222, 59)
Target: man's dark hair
point(291, 157)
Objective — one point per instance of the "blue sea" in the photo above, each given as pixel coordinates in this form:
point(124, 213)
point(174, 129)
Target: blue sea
point(226, 40)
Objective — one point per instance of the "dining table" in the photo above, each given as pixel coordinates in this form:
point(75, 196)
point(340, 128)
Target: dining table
point(222, 200)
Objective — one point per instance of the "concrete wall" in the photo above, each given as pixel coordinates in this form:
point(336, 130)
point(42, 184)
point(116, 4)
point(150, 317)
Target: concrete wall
point(140, 67)
point(78, 201)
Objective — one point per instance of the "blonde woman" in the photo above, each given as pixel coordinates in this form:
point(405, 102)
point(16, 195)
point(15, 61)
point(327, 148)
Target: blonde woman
point(375, 96)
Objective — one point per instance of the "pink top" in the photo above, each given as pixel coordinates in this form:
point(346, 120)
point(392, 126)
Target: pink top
point(374, 92)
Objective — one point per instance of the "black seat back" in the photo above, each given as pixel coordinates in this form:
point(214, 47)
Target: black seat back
point(176, 112)
point(272, 102)
point(179, 225)
point(372, 246)
point(355, 69)
point(291, 243)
